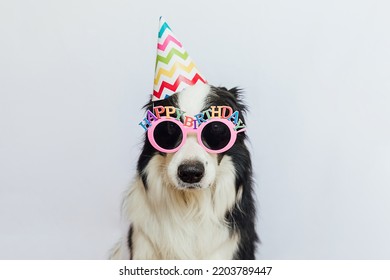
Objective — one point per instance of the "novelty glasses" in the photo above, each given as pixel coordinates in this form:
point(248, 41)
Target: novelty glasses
point(168, 135)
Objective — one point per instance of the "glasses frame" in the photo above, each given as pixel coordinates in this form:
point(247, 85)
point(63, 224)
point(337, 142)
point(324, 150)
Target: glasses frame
point(186, 129)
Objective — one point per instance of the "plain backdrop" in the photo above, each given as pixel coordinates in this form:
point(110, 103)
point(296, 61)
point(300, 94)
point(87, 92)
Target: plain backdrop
point(74, 75)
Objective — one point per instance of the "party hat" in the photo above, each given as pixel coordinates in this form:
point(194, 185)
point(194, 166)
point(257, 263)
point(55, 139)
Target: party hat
point(175, 70)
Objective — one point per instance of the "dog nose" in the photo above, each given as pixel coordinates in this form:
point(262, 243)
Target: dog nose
point(191, 172)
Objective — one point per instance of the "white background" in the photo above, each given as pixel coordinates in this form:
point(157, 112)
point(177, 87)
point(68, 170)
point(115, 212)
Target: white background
point(74, 75)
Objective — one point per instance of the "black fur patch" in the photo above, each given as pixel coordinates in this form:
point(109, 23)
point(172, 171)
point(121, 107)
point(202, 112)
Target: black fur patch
point(129, 241)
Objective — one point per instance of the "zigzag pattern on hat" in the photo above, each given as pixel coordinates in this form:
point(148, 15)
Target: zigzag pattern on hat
point(174, 70)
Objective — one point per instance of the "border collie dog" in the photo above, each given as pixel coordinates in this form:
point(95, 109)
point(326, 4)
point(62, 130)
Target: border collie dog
point(191, 204)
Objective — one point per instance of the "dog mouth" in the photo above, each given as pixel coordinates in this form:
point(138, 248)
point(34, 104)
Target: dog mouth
point(186, 186)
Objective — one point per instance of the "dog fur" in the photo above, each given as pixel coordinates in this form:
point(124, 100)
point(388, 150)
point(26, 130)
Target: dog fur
point(212, 219)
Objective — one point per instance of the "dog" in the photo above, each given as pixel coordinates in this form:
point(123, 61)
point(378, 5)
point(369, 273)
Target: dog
point(192, 204)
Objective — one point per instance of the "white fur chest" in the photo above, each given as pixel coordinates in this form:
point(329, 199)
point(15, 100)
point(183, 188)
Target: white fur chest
point(172, 224)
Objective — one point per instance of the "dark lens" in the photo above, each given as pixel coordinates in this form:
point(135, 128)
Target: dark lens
point(168, 135)
point(216, 135)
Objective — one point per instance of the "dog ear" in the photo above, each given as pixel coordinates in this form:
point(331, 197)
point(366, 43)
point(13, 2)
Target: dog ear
point(233, 97)
point(236, 92)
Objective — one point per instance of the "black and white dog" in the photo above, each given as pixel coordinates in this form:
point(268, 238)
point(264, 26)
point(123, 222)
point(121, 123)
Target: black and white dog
point(192, 204)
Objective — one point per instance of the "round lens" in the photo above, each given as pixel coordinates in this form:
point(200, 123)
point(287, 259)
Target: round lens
point(168, 135)
point(216, 135)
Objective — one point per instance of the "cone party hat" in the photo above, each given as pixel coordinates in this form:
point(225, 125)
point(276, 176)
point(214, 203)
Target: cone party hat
point(175, 70)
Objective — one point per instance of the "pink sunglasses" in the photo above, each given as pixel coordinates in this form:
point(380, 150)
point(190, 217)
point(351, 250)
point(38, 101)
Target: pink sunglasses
point(168, 135)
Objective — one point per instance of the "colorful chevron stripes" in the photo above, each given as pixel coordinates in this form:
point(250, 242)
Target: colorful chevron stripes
point(175, 87)
point(167, 41)
point(162, 28)
point(174, 69)
point(173, 52)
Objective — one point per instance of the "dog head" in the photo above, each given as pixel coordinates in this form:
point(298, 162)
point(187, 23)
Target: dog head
point(191, 167)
